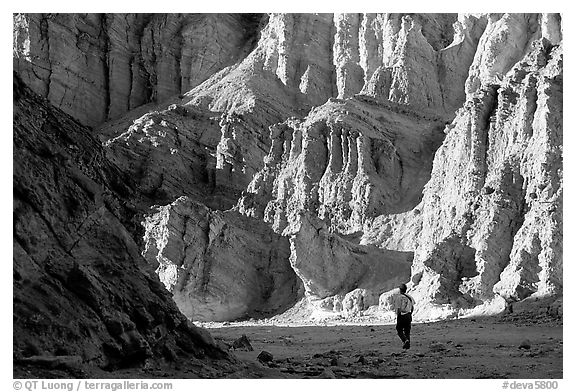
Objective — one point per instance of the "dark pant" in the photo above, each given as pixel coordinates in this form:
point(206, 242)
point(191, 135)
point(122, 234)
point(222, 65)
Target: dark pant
point(403, 324)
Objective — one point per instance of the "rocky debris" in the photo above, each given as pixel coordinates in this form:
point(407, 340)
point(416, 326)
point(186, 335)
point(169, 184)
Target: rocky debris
point(219, 265)
point(52, 362)
point(222, 344)
point(437, 347)
point(81, 288)
point(242, 343)
point(386, 300)
point(265, 357)
point(336, 361)
point(96, 67)
point(327, 373)
point(525, 344)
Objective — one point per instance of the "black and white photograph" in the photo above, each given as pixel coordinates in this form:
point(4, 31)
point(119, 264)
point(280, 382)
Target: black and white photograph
point(288, 195)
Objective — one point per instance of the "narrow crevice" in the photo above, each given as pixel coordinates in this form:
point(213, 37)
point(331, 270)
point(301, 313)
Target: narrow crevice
point(45, 35)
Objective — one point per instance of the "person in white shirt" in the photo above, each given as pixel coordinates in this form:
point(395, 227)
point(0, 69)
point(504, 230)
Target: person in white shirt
point(404, 305)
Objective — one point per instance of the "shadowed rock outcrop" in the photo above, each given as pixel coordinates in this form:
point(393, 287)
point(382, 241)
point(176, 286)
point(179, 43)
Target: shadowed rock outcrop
point(80, 286)
point(170, 153)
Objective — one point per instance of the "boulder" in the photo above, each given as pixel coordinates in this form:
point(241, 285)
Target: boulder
point(242, 343)
point(265, 357)
point(525, 344)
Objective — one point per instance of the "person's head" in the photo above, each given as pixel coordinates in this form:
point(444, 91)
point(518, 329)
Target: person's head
point(402, 288)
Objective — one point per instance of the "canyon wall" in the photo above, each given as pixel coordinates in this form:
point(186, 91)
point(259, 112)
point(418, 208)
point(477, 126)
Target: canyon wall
point(489, 228)
point(97, 67)
point(83, 295)
point(397, 147)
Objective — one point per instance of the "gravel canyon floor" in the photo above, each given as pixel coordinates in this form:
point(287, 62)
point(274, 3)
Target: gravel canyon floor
point(457, 349)
point(465, 348)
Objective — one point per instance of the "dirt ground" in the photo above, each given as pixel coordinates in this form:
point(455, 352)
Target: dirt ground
point(465, 348)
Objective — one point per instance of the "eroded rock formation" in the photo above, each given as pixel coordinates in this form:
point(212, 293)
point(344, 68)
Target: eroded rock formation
point(96, 67)
point(364, 141)
point(347, 162)
point(339, 275)
point(489, 229)
point(501, 222)
point(219, 265)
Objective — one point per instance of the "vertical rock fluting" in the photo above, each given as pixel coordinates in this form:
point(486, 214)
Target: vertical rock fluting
point(496, 226)
point(421, 60)
point(503, 44)
point(96, 67)
point(347, 163)
point(301, 60)
point(219, 265)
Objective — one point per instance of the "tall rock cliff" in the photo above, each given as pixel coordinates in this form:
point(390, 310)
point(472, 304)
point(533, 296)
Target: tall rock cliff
point(497, 227)
point(368, 143)
point(83, 294)
point(97, 67)
point(489, 228)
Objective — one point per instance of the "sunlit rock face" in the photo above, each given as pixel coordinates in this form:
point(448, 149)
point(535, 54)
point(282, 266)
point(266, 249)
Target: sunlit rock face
point(490, 223)
point(219, 265)
point(339, 275)
point(437, 137)
point(502, 222)
point(347, 162)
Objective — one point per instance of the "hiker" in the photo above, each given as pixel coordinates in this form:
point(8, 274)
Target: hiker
point(404, 305)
